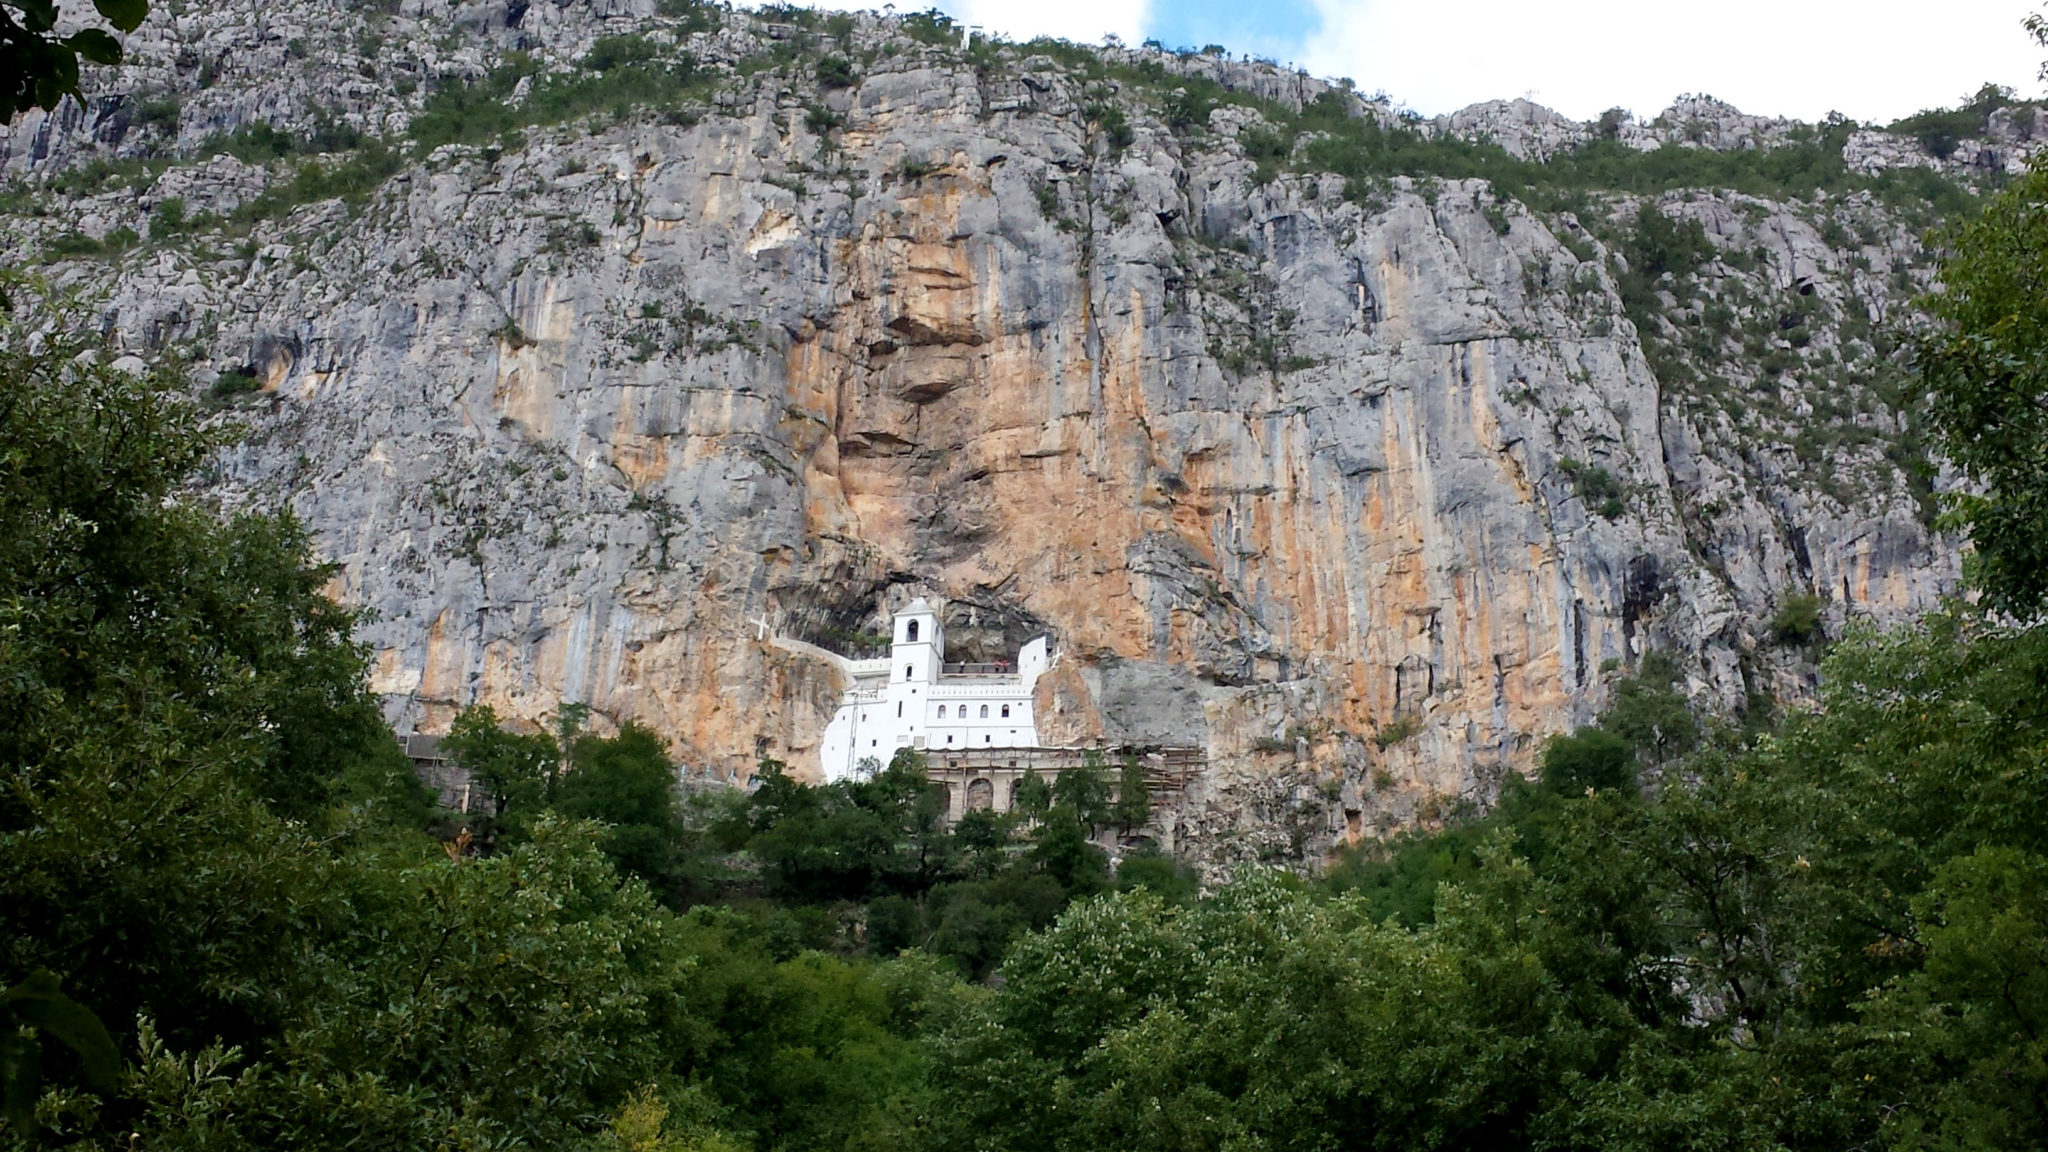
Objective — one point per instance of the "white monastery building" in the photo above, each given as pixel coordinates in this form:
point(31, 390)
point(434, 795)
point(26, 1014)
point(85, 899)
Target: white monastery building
point(914, 699)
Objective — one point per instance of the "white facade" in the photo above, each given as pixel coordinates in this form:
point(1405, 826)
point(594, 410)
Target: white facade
point(914, 699)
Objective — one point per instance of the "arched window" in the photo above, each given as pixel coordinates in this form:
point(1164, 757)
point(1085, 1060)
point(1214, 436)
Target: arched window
point(899, 709)
point(942, 711)
point(984, 711)
point(981, 794)
point(907, 670)
point(1006, 711)
point(910, 633)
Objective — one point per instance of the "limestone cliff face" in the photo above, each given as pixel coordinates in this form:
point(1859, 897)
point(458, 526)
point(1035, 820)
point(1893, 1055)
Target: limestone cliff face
point(1277, 466)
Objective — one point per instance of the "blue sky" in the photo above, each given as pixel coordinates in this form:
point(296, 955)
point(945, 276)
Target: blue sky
point(1271, 29)
point(1869, 59)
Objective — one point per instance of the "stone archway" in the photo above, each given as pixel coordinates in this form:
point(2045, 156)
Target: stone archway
point(981, 794)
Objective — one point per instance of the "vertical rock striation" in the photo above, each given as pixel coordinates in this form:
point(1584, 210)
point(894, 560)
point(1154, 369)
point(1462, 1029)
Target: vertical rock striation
point(1364, 491)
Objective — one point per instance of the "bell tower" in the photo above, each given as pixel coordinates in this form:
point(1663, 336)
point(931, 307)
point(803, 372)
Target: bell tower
point(918, 648)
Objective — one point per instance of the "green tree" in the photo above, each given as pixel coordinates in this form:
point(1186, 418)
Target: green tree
point(894, 923)
point(1133, 806)
point(1827, 937)
point(183, 715)
point(1650, 713)
point(1061, 849)
point(1034, 795)
point(1399, 880)
point(1174, 881)
point(1262, 1018)
point(809, 1052)
point(203, 825)
point(125, 601)
point(915, 808)
point(1986, 368)
point(1976, 1010)
point(1647, 719)
point(980, 837)
point(853, 839)
point(783, 829)
point(429, 1000)
point(974, 923)
point(503, 998)
point(39, 68)
point(627, 783)
point(1589, 759)
point(519, 769)
point(1084, 791)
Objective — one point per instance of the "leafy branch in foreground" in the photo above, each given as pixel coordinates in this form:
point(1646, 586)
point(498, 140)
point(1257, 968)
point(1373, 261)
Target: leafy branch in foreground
point(34, 1008)
point(39, 68)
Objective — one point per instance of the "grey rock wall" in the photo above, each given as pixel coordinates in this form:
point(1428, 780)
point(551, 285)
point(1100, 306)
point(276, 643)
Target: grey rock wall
point(1283, 468)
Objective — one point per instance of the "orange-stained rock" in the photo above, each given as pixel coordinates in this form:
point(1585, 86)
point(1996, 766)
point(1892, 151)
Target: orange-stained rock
point(1361, 491)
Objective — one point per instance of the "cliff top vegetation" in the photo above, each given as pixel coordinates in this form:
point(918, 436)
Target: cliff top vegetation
point(1822, 929)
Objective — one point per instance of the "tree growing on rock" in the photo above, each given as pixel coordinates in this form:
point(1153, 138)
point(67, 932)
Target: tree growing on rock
point(1986, 368)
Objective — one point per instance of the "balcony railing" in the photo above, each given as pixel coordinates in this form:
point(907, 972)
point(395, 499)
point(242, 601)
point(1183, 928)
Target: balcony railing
point(997, 668)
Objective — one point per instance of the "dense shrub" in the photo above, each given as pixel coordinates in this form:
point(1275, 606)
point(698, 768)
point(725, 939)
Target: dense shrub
point(1939, 131)
point(609, 52)
point(618, 79)
point(836, 72)
point(1797, 619)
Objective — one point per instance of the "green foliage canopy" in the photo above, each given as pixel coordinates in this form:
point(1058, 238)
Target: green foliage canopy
point(173, 686)
point(1833, 936)
point(207, 830)
point(1986, 368)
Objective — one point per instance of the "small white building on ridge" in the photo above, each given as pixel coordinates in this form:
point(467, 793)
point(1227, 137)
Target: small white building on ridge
point(914, 699)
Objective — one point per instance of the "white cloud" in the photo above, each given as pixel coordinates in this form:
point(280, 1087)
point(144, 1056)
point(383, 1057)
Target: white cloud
point(1873, 60)
point(1082, 21)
